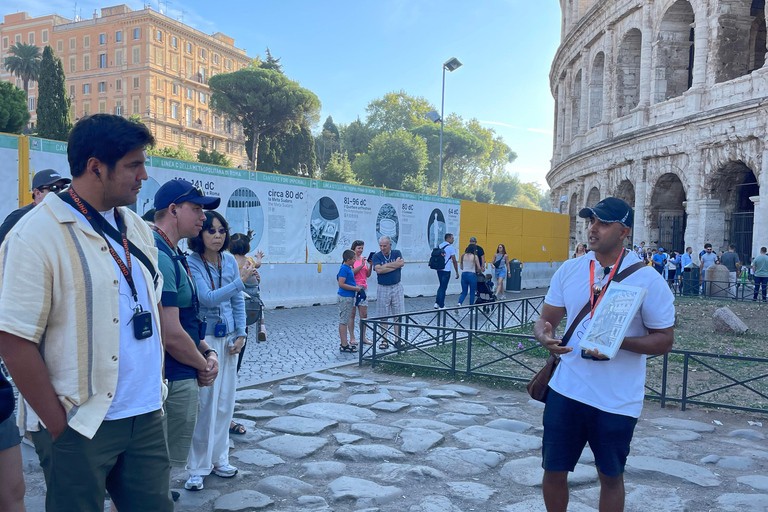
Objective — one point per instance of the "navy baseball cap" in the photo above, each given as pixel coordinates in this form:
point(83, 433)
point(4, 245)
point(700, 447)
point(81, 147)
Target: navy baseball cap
point(48, 177)
point(610, 209)
point(182, 191)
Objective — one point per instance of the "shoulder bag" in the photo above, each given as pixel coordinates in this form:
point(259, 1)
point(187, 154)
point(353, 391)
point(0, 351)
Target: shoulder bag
point(538, 387)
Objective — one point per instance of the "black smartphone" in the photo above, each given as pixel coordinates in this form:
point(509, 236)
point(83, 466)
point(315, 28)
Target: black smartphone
point(370, 256)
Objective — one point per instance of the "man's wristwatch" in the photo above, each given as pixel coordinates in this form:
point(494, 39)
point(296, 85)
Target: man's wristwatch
point(205, 354)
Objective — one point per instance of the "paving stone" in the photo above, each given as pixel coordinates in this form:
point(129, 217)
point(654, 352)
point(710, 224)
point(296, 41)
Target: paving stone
point(369, 399)
point(421, 401)
point(419, 440)
point(252, 434)
point(439, 393)
point(389, 406)
point(423, 411)
point(755, 454)
point(509, 425)
point(748, 434)
point(463, 390)
point(292, 388)
point(363, 389)
point(537, 505)
point(736, 462)
point(392, 473)
point(710, 459)
point(322, 396)
point(733, 502)
point(283, 402)
point(368, 453)
point(300, 426)
point(343, 372)
point(418, 384)
point(295, 447)
point(279, 485)
point(252, 395)
point(677, 436)
point(375, 431)
point(364, 492)
point(242, 501)
point(402, 389)
point(255, 414)
point(464, 462)
point(455, 418)
point(324, 376)
point(470, 491)
point(342, 413)
point(187, 500)
point(528, 472)
point(435, 504)
point(678, 424)
point(725, 321)
point(324, 469)
point(344, 438)
point(757, 482)
point(640, 498)
point(497, 440)
point(587, 456)
point(324, 385)
point(317, 503)
point(536, 404)
point(363, 382)
point(650, 466)
point(467, 408)
point(653, 446)
point(258, 457)
point(438, 426)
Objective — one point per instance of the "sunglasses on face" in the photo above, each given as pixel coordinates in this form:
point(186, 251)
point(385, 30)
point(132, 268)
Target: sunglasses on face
point(55, 188)
point(212, 231)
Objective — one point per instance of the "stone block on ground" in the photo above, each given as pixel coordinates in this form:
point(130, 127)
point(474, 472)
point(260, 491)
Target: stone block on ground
point(537, 505)
point(736, 462)
point(283, 402)
point(757, 482)
point(300, 426)
point(391, 473)
point(472, 492)
point(389, 406)
point(368, 453)
point(467, 408)
point(509, 425)
point(439, 393)
point(252, 395)
point(374, 430)
point(456, 418)
point(255, 414)
point(748, 434)
point(278, 485)
point(680, 424)
point(733, 502)
point(419, 440)
point(461, 389)
point(295, 447)
point(242, 501)
point(434, 504)
point(325, 376)
point(667, 469)
point(369, 399)
point(363, 492)
point(261, 458)
point(324, 385)
point(528, 472)
point(640, 498)
point(323, 469)
point(421, 401)
point(497, 440)
point(344, 438)
point(474, 461)
point(343, 413)
point(725, 321)
point(437, 426)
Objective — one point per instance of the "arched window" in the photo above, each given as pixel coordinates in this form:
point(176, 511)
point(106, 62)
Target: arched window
point(628, 72)
point(596, 90)
point(674, 52)
point(576, 105)
point(757, 36)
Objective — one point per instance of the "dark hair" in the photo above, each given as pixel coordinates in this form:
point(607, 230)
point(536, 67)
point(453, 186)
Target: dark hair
point(196, 244)
point(764, 249)
point(239, 244)
point(502, 248)
point(105, 137)
point(347, 255)
point(447, 236)
point(149, 215)
point(471, 249)
point(357, 243)
point(707, 245)
point(732, 246)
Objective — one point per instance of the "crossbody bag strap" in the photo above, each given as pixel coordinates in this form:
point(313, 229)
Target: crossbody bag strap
point(587, 307)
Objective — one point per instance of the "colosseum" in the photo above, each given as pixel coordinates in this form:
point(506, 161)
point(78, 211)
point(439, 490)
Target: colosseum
point(663, 103)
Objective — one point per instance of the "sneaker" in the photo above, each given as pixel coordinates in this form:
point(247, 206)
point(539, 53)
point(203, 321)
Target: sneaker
point(226, 471)
point(195, 483)
point(263, 334)
point(436, 306)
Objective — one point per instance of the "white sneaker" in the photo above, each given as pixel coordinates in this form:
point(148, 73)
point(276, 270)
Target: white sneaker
point(436, 306)
point(226, 471)
point(195, 483)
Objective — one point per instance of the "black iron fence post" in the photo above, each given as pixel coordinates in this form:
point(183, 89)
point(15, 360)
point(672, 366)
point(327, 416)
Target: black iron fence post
point(664, 384)
point(685, 382)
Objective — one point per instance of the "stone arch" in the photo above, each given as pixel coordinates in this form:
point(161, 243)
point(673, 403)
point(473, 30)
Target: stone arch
point(596, 90)
point(576, 105)
point(593, 197)
point(626, 192)
point(673, 69)
point(757, 36)
point(667, 213)
point(733, 184)
point(741, 38)
point(628, 72)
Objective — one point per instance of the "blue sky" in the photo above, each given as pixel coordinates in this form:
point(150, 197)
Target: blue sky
point(350, 52)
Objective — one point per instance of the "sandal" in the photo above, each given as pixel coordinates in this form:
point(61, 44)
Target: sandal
point(347, 348)
point(237, 428)
point(384, 345)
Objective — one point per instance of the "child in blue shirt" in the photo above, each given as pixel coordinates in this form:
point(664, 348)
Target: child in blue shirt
point(346, 300)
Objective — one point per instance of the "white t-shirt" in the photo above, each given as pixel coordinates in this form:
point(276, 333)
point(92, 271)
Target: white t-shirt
point(449, 251)
point(138, 388)
point(616, 386)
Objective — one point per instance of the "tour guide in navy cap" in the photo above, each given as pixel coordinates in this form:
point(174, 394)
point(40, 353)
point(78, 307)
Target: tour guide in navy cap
point(593, 399)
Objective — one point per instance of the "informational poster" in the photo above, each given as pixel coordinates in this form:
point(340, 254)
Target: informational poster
point(9, 174)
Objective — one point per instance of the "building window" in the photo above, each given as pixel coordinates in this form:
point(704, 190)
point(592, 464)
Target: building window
point(159, 84)
point(102, 38)
point(203, 53)
point(45, 36)
point(119, 84)
point(86, 41)
point(59, 46)
point(160, 106)
point(102, 107)
point(216, 123)
point(72, 43)
point(118, 107)
point(102, 60)
point(202, 97)
point(86, 88)
point(174, 111)
point(87, 108)
point(189, 117)
point(159, 56)
point(72, 91)
point(174, 62)
point(136, 55)
point(136, 33)
point(72, 64)
point(227, 63)
point(189, 47)
point(135, 107)
point(216, 58)
point(189, 93)
point(86, 62)
point(135, 82)
point(174, 42)
point(5, 43)
point(31, 101)
point(31, 38)
point(102, 86)
point(118, 57)
point(175, 89)
point(119, 36)
point(31, 84)
point(202, 74)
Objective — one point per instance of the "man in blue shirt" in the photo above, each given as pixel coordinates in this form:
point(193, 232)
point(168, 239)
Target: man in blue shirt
point(390, 296)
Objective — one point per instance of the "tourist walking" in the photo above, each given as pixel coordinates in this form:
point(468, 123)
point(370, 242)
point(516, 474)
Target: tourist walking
point(760, 266)
point(348, 288)
point(592, 399)
point(730, 260)
point(708, 258)
point(479, 252)
point(444, 274)
point(500, 270)
point(96, 421)
point(470, 267)
point(361, 268)
point(220, 284)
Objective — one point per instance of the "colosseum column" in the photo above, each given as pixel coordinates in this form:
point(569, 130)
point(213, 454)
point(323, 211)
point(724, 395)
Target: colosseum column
point(585, 77)
point(646, 54)
point(640, 230)
point(568, 114)
point(760, 227)
point(609, 106)
point(560, 133)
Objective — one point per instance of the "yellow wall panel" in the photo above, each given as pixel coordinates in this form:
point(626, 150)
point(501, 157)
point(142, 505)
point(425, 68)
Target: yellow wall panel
point(558, 249)
point(505, 220)
point(474, 222)
point(561, 226)
point(513, 244)
point(536, 223)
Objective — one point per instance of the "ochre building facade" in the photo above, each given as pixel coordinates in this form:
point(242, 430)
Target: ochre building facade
point(142, 62)
point(663, 103)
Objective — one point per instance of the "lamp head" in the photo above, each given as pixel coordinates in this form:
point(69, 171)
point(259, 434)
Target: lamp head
point(433, 116)
point(452, 64)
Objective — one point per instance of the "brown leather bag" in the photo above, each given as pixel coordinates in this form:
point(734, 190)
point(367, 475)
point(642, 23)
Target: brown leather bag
point(538, 387)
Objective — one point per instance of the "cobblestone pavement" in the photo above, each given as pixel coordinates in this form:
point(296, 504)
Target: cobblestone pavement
point(353, 439)
point(301, 340)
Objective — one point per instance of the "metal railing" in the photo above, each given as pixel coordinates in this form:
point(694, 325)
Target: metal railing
point(738, 290)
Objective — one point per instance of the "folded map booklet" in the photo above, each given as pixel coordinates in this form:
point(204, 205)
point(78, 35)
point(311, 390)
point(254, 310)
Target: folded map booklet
point(612, 318)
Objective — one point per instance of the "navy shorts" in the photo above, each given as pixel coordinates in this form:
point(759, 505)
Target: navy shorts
point(9, 433)
point(569, 425)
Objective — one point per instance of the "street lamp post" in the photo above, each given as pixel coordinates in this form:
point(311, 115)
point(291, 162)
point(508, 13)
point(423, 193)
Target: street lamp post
point(451, 64)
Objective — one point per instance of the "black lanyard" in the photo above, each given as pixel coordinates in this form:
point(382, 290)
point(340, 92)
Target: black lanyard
point(182, 258)
point(210, 276)
point(101, 226)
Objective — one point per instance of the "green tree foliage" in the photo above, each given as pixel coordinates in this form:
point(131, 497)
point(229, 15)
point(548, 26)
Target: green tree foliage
point(178, 153)
point(339, 169)
point(135, 118)
point(484, 194)
point(272, 63)
point(291, 152)
point(398, 161)
point(397, 111)
point(24, 62)
point(54, 119)
point(213, 157)
point(14, 113)
point(457, 143)
point(355, 138)
point(505, 188)
point(327, 142)
point(264, 101)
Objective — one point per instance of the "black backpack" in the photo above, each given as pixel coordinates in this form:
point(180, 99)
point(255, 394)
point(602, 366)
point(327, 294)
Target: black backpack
point(437, 259)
